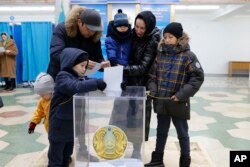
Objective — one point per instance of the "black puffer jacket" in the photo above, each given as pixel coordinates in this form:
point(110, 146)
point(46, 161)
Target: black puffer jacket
point(143, 52)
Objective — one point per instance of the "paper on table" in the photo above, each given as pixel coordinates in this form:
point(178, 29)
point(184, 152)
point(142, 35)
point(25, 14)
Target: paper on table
point(2, 49)
point(93, 70)
point(113, 78)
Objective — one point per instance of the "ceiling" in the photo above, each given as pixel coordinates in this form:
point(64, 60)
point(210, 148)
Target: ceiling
point(224, 11)
point(228, 8)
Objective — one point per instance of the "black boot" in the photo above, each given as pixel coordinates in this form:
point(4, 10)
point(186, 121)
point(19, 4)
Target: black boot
point(7, 84)
point(185, 161)
point(12, 84)
point(156, 161)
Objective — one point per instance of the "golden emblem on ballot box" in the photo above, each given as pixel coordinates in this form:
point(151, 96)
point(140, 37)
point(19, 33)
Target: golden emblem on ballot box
point(110, 142)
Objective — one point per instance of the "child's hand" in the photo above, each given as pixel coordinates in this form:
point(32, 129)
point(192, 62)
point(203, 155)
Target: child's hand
point(123, 85)
point(32, 127)
point(101, 85)
point(105, 64)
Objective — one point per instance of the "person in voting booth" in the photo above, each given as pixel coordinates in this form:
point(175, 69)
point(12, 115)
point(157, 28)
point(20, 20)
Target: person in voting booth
point(175, 77)
point(82, 29)
point(44, 87)
point(69, 81)
point(8, 53)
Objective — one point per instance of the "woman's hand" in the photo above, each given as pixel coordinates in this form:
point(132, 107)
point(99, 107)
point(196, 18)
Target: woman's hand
point(174, 98)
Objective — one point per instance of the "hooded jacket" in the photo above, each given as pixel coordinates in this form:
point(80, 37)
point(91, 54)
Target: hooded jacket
point(67, 34)
point(118, 45)
point(143, 51)
point(67, 84)
point(176, 71)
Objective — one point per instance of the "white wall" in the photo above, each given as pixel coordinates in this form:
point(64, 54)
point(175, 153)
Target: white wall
point(217, 42)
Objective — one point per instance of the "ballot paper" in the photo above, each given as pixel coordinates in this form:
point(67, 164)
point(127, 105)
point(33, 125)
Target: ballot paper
point(2, 49)
point(93, 70)
point(113, 78)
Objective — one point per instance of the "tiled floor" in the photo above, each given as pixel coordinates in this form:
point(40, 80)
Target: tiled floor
point(220, 122)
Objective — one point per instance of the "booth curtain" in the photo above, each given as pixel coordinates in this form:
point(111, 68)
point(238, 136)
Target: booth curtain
point(4, 27)
point(36, 37)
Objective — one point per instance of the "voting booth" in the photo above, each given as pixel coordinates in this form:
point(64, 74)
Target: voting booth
point(109, 128)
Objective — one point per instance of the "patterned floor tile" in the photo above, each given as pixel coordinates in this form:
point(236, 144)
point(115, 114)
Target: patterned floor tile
point(220, 122)
point(233, 110)
point(242, 131)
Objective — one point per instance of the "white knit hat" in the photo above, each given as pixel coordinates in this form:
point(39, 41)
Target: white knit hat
point(44, 83)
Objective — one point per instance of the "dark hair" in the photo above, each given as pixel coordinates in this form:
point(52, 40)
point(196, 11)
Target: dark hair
point(3, 33)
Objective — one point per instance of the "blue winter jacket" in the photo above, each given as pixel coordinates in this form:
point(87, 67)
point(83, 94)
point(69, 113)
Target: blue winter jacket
point(67, 84)
point(118, 45)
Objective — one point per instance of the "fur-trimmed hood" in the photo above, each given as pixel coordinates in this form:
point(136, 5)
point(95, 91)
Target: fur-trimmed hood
point(71, 23)
point(182, 43)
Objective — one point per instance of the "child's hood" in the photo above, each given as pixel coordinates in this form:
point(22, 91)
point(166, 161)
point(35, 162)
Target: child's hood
point(68, 57)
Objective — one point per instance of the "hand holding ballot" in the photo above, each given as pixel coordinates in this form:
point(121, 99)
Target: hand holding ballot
point(94, 66)
point(105, 64)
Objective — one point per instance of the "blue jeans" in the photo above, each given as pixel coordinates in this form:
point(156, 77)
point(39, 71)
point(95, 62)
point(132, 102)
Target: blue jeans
point(181, 127)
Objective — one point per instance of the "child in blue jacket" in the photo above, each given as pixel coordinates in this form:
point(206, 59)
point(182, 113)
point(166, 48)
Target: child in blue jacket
point(118, 40)
point(69, 81)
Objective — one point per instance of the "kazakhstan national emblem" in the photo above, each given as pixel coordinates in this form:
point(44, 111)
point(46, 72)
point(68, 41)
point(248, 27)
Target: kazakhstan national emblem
point(110, 142)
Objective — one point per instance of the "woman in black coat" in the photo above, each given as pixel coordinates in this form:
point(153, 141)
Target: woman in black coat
point(145, 39)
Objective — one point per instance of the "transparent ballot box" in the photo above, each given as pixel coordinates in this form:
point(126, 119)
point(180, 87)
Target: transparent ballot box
point(109, 128)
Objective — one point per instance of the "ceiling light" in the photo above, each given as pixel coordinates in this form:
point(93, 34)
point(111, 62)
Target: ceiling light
point(197, 7)
point(26, 8)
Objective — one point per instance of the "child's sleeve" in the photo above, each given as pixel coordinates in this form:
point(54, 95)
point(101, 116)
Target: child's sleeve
point(196, 77)
point(39, 113)
point(111, 48)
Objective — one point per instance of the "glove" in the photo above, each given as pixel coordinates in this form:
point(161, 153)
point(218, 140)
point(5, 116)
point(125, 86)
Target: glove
point(123, 85)
point(32, 127)
point(101, 85)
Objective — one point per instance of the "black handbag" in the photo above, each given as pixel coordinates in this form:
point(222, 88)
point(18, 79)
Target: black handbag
point(173, 108)
point(1, 102)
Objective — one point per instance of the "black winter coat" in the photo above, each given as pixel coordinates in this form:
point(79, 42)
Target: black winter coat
point(67, 84)
point(61, 40)
point(143, 53)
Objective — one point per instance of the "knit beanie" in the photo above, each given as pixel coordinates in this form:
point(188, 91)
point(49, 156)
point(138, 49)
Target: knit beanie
point(44, 83)
point(120, 19)
point(80, 58)
point(174, 28)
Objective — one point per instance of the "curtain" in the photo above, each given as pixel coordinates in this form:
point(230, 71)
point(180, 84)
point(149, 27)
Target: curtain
point(17, 34)
point(36, 37)
point(4, 27)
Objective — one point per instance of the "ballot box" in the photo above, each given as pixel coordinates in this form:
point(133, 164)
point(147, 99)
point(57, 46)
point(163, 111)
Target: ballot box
point(109, 128)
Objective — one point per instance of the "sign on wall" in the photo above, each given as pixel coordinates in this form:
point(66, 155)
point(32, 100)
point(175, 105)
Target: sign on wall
point(161, 12)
